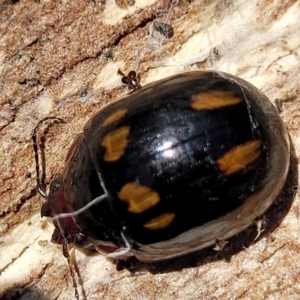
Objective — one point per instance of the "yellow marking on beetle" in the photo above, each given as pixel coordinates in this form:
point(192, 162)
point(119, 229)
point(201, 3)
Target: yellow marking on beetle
point(240, 157)
point(115, 143)
point(139, 197)
point(116, 116)
point(160, 221)
point(214, 100)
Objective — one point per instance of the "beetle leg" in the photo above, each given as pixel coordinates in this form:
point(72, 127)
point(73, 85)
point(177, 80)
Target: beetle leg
point(67, 256)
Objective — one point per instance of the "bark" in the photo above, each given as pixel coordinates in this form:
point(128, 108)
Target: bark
point(60, 58)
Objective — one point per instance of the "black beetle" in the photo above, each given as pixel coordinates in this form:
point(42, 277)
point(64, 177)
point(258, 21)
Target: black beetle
point(170, 169)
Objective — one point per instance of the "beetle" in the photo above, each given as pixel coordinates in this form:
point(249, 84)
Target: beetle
point(170, 169)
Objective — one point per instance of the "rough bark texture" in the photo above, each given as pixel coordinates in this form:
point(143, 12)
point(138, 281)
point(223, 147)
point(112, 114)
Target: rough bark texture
point(60, 58)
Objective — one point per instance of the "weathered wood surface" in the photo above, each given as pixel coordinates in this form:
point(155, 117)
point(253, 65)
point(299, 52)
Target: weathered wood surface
point(60, 58)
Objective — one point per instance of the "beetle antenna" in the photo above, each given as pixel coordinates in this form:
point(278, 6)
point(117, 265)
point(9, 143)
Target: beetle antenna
point(40, 181)
point(67, 256)
point(81, 210)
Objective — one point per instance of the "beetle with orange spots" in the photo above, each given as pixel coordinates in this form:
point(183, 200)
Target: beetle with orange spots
point(171, 168)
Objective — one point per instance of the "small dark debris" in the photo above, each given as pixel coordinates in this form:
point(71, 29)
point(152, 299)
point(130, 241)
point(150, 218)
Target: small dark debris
point(84, 92)
point(125, 3)
point(18, 56)
point(108, 54)
point(29, 81)
point(164, 28)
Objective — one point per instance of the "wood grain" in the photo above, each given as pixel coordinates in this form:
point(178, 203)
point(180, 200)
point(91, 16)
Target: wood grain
point(60, 58)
